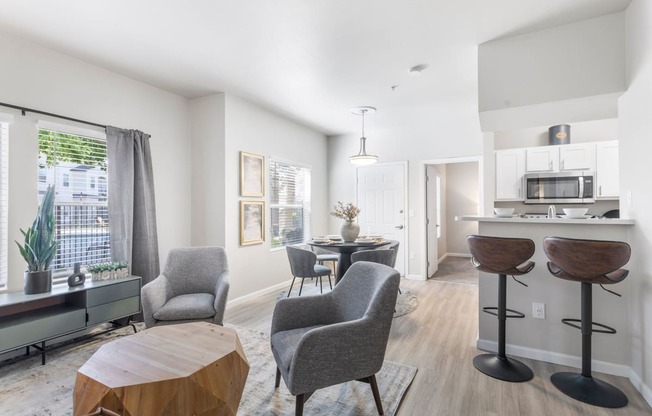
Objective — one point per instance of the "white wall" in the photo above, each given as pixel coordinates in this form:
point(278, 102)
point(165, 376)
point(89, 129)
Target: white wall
point(457, 134)
point(208, 170)
point(442, 242)
point(253, 129)
point(582, 59)
point(635, 107)
point(39, 78)
point(462, 198)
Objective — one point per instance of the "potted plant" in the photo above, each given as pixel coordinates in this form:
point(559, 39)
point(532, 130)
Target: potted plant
point(40, 247)
point(350, 230)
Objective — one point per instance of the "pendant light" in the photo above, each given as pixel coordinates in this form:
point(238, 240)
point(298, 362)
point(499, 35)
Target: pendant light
point(362, 158)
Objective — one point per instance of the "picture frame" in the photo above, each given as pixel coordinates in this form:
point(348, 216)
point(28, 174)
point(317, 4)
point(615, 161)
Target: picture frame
point(252, 175)
point(252, 222)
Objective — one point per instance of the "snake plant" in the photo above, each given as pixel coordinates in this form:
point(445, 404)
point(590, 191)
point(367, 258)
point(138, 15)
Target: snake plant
point(40, 246)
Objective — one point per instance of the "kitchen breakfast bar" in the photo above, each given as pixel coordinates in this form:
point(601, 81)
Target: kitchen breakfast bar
point(548, 339)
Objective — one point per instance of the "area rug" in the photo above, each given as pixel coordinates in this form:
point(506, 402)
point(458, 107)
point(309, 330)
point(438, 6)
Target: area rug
point(406, 301)
point(30, 389)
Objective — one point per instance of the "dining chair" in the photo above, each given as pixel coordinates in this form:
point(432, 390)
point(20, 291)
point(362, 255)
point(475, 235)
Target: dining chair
point(303, 264)
point(325, 256)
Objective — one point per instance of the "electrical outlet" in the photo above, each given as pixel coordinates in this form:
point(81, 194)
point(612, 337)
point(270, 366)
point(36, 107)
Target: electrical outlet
point(539, 310)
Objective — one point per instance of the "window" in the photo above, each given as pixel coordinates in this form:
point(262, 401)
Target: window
point(72, 161)
point(3, 203)
point(289, 203)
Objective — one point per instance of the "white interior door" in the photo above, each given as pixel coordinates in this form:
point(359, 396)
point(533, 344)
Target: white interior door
point(382, 201)
point(433, 217)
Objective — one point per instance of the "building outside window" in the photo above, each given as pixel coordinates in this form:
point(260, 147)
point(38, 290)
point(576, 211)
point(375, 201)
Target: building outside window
point(289, 203)
point(72, 162)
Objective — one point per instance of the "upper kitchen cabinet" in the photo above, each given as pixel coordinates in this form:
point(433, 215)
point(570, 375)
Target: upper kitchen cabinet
point(577, 157)
point(560, 158)
point(542, 159)
point(607, 179)
point(510, 168)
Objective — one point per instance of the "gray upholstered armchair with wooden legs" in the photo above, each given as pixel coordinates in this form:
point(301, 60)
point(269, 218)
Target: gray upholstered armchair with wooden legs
point(193, 286)
point(319, 341)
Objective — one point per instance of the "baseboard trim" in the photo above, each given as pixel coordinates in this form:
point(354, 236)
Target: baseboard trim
point(556, 358)
point(445, 256)
point(258, 293)
point(643, 388)
point(413, 277)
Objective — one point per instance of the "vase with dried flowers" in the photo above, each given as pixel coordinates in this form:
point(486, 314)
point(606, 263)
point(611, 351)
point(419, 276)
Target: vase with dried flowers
point(349, 212)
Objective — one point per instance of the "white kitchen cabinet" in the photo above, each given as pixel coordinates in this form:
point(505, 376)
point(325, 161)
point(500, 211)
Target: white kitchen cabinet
point(510, 168)
point(560, 158)
point(577, 157)
point(607, 179)
point(542, 159)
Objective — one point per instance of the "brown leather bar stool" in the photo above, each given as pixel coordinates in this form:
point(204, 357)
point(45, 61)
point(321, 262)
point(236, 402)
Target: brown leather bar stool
point(502, 256)
point(590, 262)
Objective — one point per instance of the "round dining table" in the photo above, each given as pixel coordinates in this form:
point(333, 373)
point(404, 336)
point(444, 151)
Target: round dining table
point(345, 250)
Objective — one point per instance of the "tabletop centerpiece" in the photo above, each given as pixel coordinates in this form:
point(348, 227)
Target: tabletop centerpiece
point(349, 212)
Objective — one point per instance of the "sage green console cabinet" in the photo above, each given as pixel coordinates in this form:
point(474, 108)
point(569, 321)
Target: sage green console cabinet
point(27, 320)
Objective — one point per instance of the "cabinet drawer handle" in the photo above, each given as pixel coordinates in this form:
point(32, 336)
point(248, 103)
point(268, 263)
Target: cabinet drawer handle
point(550, 164)
point(600, 190)
point(562, 164)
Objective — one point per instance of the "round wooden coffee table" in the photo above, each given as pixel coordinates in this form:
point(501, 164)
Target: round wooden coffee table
point(186, 369)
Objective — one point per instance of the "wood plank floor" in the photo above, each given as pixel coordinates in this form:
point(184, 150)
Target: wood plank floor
point(439, 339)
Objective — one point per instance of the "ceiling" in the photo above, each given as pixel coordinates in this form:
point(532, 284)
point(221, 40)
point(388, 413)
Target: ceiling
point(308, 60)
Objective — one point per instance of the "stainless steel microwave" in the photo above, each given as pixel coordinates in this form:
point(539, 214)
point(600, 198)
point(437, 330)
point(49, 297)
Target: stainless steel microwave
point(559, 188)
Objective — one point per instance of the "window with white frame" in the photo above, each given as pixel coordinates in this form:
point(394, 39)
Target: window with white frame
point(289, 203)
point(4, 207)
point(74, 162)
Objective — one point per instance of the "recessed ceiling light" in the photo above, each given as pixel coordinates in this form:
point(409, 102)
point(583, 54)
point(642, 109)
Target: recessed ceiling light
point(416, 70)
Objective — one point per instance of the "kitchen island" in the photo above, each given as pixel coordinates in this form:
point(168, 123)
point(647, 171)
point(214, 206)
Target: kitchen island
point(548, 339)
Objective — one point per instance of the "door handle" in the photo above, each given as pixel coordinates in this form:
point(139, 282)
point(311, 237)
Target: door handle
point(399, 227)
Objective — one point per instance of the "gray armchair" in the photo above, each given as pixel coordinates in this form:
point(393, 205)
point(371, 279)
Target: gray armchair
point(319, 341)
point(192, 287)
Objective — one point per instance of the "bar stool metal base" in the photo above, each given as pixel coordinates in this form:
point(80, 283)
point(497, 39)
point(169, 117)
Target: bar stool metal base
point(507, 369)
point(589, 390)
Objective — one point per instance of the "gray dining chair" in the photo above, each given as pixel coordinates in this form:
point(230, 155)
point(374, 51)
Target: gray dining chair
point(382, 256)
point(394, 246)
point(303, 264)
point(324, 256)
point(386, 256)
point(340, 336)
point(193, 286)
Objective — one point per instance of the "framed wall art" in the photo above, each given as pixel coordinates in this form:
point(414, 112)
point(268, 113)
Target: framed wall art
point(252, 222)
point(252, 175)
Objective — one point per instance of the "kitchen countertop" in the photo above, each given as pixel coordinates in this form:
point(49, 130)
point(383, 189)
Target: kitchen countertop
point(521, 220)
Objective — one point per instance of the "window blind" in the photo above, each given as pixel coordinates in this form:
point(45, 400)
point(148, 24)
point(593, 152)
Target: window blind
point(289, 203)
point(78, 167)
point(4, 207)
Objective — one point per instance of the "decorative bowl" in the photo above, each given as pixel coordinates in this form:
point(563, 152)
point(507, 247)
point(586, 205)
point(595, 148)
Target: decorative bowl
point(575, 212)
point(504, 212)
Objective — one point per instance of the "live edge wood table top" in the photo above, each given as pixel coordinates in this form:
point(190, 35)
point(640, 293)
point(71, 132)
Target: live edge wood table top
point(188, 369)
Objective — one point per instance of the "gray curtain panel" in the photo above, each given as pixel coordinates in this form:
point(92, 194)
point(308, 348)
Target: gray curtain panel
point(132, 213)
